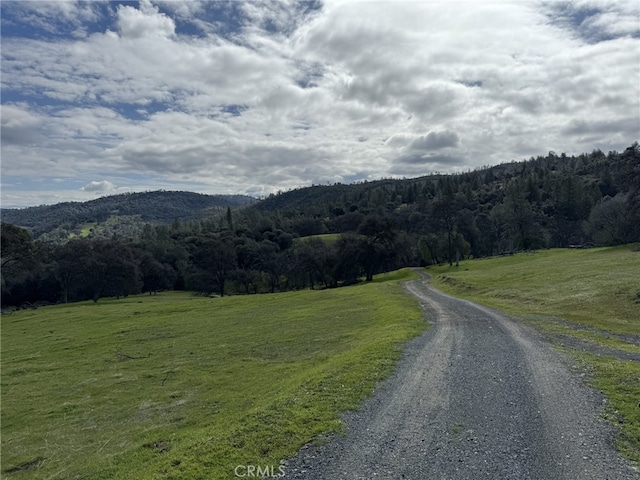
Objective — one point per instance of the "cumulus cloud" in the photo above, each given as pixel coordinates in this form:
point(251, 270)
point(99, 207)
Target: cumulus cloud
point(19, 126)
point(143, 22)
point(431, 141)
point(100, 187)
point(435, 141)
point(251, 96)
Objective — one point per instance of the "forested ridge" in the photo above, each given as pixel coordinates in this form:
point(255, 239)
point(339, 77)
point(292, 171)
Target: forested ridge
point(59, 220)
point(273, 245)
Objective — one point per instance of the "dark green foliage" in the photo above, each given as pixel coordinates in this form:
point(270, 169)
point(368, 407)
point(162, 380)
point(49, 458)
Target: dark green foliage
point(377, 249)
point(215, 259)
point(23, 262)
point(156, 275)
point(612, 222)
point(348, 267)
point(105, 268)
point(160, 206)
point(317, 260)
point(19, 256)
point(325, 236)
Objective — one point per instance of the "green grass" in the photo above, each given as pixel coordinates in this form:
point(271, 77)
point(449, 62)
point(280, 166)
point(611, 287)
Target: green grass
point(85, 230)
point(620, 379)
point(592, 295)
point(181, 387)
point(595, 287)
point(328, 238)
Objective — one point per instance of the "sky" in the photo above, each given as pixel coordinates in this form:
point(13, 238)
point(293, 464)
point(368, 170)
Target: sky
point(256, 97)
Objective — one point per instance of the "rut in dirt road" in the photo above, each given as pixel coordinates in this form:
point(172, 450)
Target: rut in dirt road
point(477, 396)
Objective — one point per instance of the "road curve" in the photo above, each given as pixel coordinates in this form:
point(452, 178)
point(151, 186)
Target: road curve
point(477, 396)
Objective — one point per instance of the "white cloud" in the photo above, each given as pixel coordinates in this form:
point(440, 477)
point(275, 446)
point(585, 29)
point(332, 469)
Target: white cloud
point(144, 22)
point(54, 16)
point(435, 141)
point(295, 95)
point(19, 126)
point(101, 187)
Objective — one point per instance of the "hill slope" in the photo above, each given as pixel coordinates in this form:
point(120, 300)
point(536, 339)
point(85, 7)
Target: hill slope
point(177, 386)
point(158, 207)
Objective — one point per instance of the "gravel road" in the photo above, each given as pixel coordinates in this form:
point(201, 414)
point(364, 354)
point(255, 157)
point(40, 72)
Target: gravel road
point(477, 396)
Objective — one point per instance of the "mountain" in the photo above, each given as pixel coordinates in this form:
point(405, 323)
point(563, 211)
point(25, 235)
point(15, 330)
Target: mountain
point(153, 207)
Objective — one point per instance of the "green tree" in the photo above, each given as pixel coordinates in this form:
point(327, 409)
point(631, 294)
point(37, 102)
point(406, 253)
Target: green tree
point(610, 223)
point(229, 219)
point(444, 211)
point(348, 267)
point(378, 247)
point(317, 260)
point(70, 266)
point(428, 247)
point(216, 258)
point(517, 221)
point(20, 256)
point(156, 275)
point(112, 269)
point(273, 262)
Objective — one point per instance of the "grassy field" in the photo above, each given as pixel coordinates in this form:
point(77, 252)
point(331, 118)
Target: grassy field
point(592, 295)
point(328, 238)
point(84, 229)
point(596, 287)
point(181, 387)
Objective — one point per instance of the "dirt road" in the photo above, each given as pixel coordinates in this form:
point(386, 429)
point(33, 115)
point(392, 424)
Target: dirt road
point(477, 396)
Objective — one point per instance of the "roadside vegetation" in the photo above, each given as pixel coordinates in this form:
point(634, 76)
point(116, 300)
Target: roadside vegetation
point(586, 300)
point(178, 386)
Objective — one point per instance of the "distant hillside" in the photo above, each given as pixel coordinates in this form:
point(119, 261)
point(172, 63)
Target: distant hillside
point(155, 207)
point(320, 236)
point(552, 200)
point(315, 199)
point(338, 194)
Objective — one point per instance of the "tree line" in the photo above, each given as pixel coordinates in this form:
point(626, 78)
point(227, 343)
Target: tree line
point(53, 222)
point(278, 243)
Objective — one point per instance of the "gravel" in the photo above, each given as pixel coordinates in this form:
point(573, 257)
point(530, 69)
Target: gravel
point(477, 396)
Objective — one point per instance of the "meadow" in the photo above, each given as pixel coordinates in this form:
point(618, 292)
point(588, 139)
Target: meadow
point(328, 238)
point(590, 295)
point(177, 386)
